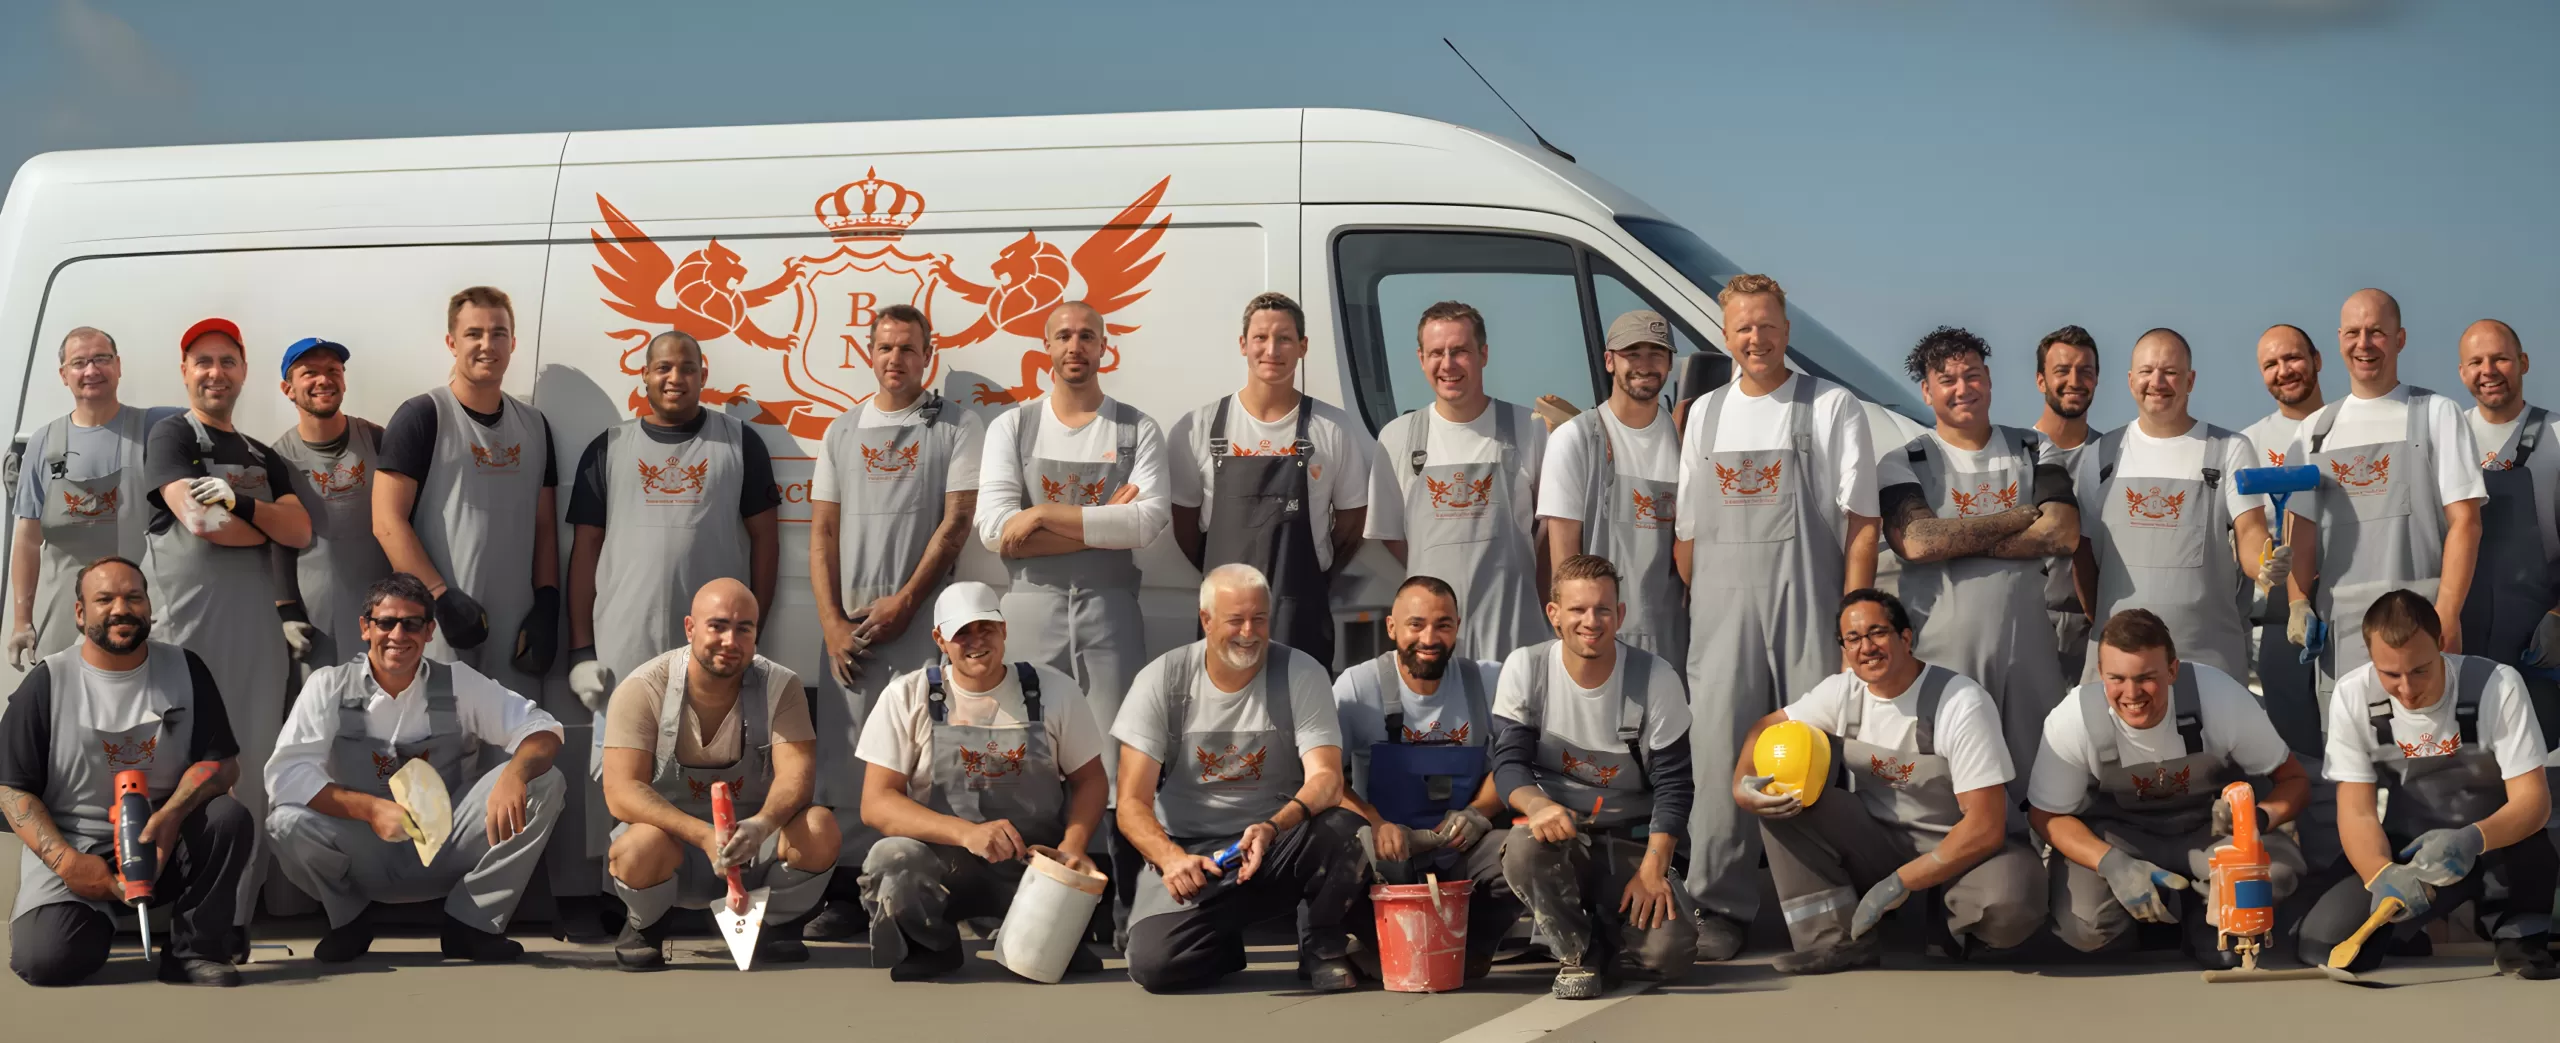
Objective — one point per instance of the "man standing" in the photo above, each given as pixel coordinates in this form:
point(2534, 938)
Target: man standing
point(1973, 509)
point(1611, 486)
point(2510, 616)
point(893, 496)
point(973, 763)
point(1274, 479)
point(1925, 758)
point(1777, 517)
point(713, 711)
point(333, 457)
point(2454, 740)
point(2289, 365)
point(339, 834)
point(218, 499)
point(2399, 500)
point(2165, 528)
point(79, 497)
point(116, 702)
point(1457, 497)
point(1591, 748)
point(2067, 374)
point(1229, 746)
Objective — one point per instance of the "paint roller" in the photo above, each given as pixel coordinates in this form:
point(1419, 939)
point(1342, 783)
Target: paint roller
point(2279, 484)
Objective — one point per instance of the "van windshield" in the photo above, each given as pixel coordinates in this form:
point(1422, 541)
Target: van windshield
point(1810, 345)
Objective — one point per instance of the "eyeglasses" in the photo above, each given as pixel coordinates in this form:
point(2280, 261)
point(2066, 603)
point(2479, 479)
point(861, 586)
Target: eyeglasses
point(89, 362)
point(1876, 635)
point(412, 624)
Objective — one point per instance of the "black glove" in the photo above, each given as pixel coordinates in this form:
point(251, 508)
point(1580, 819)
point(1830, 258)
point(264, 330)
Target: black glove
point(464, 622)
point(538, 641)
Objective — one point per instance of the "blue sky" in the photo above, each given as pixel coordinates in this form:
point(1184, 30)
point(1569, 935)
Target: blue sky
point(2210, 165)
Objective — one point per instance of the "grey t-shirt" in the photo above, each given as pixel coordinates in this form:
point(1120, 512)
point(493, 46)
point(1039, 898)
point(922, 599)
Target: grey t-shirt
point(93, 453)
point(1202, 796)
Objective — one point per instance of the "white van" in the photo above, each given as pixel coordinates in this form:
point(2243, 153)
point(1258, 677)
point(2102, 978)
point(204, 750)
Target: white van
point(774, 245)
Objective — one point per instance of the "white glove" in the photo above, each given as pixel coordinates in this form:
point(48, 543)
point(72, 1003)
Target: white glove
point(213, 492)
point(593, 683)
point(2275, 566)
point(743, 844)
point(298, 636)
point(2297, 627)
point(22, 649)
point(210, 520)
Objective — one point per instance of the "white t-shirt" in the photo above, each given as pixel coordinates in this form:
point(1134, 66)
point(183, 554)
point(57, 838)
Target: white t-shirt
point(1967, 732)
point(1651, 452)
point(490, 713)
point(1337, 477)
point(2236, 730)
point(1450, 443)
point(965, 454)
point(2180, 457)
point(1588, 717)
point(1843, 459)
point(899, 735)
point(2367, 421)
point(2496, 455)
point(2506, 724)
point(1126, 526)
point(1440, 717)
point(2272, 435)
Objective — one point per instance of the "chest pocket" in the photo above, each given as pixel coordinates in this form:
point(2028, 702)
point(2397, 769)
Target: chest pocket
point(2005, 486)
point(885, 475)
point(2160, 523)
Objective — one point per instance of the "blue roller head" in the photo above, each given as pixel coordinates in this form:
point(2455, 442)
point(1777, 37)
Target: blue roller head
point(2277, 481)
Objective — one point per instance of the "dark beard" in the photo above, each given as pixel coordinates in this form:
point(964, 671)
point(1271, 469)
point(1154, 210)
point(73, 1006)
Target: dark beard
point(2054, 403)
point(1418, 669)
point(98, 633)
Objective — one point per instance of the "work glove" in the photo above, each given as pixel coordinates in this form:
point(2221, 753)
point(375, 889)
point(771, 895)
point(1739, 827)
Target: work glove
point(743, 844)
point(2400, 881)
point(538, 640)
point(2544, 651)
point(213, 492)
point(210, 520)
point(2297, 623)
point(2275, 566)
point(2222, 825)
point(2442, 857)
point(1751, 793)
point(299, 635)
point(2137, 884)
point(1887, 896)
point(589, 679)
point(22, 649)
point(464, 622)
point(1461, 828)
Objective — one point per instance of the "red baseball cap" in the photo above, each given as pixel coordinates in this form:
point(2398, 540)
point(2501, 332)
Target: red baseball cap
point(216, 324)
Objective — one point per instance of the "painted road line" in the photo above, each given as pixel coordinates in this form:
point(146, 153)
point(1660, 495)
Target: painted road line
point(1535, 1019)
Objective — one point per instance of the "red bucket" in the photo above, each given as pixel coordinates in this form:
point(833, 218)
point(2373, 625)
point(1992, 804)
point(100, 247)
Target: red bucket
point(1422, 935)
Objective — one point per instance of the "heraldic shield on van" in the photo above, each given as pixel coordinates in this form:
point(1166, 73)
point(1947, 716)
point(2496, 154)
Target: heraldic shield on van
point(815, 311)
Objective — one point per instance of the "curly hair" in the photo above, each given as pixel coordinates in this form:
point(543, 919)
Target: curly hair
point(1940, 346)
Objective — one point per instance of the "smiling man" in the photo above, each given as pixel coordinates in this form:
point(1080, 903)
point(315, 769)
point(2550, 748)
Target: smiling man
point(334, 457)
point(2067, 375)
point(2510, 616)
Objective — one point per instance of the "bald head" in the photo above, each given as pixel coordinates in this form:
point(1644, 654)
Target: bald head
point(2166, 339)
point(1072, 313)
point(2370, 339)
point(674, 344)
point(2289, 365)
point(722, 628)
point(2493, 368)
point(2492, 332)
point(2370, 306)
point(2161, 375)
point(726, 598)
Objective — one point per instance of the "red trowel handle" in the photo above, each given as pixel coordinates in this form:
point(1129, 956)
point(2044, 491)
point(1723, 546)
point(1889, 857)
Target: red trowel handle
point(724, 821)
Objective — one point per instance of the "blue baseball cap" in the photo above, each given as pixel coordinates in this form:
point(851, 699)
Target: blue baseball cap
point(307, 345)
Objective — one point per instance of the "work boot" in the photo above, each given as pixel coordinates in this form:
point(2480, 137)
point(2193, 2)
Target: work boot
point(580, 920)
point(1084, 960)
point(1720, 938)
point(1830, 959)
point(839, 920)
point(1330, 973)
point(461, 941)
point(642, 948)
point(2528, 957)
point(780, 943)
point(921, 963)
point(177, 970)
point(1576, 982)
point(344, 943)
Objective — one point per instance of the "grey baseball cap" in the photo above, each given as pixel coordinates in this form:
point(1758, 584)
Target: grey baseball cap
point(1639, 327)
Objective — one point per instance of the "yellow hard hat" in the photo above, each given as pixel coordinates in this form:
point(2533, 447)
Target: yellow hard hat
point(1797, 758)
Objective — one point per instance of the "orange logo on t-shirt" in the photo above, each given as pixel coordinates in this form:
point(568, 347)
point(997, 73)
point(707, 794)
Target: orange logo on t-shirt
point(1750, 479)
point(1969, 504)
point(2275, 459)
point(2429, 746)
point(82, 505)
point(1891, 771)
point(1231, 764)
point(2360, 473)
point(2140, 504)
point(501, 459)
point(2162, 784)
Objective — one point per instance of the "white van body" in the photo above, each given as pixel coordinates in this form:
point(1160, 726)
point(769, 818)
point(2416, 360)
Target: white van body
point(774, 245)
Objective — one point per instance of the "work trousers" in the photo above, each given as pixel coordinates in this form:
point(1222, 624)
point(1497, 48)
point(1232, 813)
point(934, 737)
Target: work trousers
point(919, 892)
point(1492, 907)
point(694, 886)
point(62, 943)
point(2510, 888)
point(1826, 858)
point(2071, 638)
point(1316, 869)
point(1573, 888)
point(2087, 916)
point(347, 867)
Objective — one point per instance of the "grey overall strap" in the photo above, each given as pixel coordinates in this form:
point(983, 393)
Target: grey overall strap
point(2111, 453)
point(1479, 712)
point(2471, 681)
point(1179, 665)
point(1635, 692)
point(1418, 440)
point(2321, 423)
point(2186, 699)
point(1390, 695)
point(935, 693)
point(1026, 431)
point(1221, 450)
point(444, 715)
point(2099, 720)
point(1924, 710)
point(2531, 435)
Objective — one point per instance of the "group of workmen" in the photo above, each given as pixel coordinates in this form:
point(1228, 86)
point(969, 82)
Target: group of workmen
point(1602, 612)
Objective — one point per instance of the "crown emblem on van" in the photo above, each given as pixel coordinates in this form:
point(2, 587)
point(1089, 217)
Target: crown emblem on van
point(886, 209)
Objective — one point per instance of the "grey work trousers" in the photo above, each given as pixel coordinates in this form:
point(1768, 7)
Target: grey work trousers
point(1825, 859)
point(2511, 886)
point(63, 943)
point(919, 893)
point(1572, 889)
point(694, 886)
point(2087, 916)
point(347, 867)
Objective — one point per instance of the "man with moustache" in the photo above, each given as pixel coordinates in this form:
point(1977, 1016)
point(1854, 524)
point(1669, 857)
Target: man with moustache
point(79, 497)
point(220, 505)
point(2067, 375)
point(119, 701)
point(1971, 508)
point(2510, 616)
point(333, 457)
point(1777, 517)
point(2289, 366)
point(1274, 479)
point(1611, 486)
point(893, 496)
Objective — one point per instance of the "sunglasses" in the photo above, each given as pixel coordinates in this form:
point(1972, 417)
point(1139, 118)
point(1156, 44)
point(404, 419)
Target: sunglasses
point(412, 624)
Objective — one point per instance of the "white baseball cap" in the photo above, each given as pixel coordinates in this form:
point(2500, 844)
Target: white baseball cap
point(964, 603)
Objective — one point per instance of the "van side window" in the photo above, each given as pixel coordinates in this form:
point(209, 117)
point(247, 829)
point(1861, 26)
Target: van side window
point(1528, 289)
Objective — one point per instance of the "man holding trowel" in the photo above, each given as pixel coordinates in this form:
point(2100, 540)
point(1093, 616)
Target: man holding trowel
point(371, 802)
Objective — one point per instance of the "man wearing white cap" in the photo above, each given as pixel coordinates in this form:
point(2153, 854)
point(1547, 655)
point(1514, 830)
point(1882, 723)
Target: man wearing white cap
point(971, 764)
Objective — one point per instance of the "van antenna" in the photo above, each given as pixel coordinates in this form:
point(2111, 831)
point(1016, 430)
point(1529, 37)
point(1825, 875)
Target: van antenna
point(1506, 103)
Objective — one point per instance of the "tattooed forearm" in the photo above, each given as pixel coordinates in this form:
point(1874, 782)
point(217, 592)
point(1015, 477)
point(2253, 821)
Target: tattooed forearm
point(2055, 534)
point(1918, 535)
point(203, 781)
point(34, 826)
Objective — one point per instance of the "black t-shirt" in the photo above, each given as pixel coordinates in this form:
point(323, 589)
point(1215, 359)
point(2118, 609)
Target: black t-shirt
point(409, 441)
point(755, 496)
point(171, 455)
point(26, 730)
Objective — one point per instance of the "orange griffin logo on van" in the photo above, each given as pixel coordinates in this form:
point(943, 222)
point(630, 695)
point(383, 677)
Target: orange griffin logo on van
point(815, 313)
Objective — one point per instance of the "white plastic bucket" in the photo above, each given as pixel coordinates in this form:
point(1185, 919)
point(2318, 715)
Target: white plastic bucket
point(1048, 918)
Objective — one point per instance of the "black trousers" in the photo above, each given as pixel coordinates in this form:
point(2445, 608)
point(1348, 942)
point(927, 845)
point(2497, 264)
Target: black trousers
point(66, 942)
point(1319, 863)
point(2525, 871)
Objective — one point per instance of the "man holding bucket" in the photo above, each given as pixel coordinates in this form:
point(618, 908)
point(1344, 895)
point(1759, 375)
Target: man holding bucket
point(973, 765)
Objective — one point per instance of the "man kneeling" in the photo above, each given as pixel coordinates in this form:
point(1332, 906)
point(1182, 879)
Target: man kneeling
point(2127, 788)
point(339, 835)
point(714, 712)
point(972, 764)
point(1928, 764)
point(1231, 742)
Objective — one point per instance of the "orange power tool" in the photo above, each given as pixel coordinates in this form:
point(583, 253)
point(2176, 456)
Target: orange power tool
point(137, 860)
